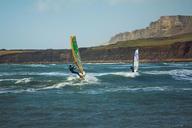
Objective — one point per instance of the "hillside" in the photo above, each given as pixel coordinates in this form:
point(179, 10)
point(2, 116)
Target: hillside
point(151, 41)
point(169, 39)
point(172, 49)
point(166, 26)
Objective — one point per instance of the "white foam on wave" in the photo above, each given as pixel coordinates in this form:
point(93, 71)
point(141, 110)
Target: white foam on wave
point(124, 74)
point(58, 85)
point(127, 74)
point(75, 81)
point(52, 64)
point(177, 64)
point(182, 74)
point(2, 91)
point(52, 73)
point(145, 89)
point(23, 80)
point(178, 74)
point(89, 79)
point(187, 89)
point(37, 65)
point(8, 79)
point(103, 63)
point(100, 90)
point(134, 90)
point(155, 72)
point(124, 89)
point(36, 73)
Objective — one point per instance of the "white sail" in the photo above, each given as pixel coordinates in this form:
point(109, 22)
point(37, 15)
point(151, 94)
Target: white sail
point(136, 61)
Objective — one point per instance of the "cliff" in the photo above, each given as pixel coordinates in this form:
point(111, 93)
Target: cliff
point(168, 39)
point(166, 26)
point(173, 52)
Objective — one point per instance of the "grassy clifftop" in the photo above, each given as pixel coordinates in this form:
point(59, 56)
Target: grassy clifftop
point(150, 42)
point(177, 48)
point(9, 52)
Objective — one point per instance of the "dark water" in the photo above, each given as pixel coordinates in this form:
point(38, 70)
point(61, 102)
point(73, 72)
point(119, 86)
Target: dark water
point(48, 96)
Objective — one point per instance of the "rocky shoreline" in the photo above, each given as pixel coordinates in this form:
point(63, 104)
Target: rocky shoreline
point(168, 39)
point(177, 52)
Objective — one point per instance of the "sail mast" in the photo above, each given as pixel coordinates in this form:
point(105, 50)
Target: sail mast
point(75, 54)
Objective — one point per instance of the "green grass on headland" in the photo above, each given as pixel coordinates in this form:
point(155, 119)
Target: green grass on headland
point(151, 42)
point(8, 52)
point(130, 43)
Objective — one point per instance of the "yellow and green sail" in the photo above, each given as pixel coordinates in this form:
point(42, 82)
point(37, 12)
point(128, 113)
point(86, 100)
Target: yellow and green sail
point(76, 55)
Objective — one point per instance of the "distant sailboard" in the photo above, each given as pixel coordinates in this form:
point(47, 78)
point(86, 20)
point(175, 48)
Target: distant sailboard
point(76, 56)
point(136, 61)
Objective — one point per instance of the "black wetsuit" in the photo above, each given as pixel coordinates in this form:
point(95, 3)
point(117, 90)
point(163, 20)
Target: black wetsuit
point(72, 69)
point(132, 69)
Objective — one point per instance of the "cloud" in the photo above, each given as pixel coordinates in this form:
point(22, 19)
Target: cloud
point(117, 2)
point(50, 5)
point(58, 5)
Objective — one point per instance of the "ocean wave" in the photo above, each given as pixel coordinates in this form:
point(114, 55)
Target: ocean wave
point(52, 64)
point(35, 73)
point(58, 85)
point(23, 80)
point(52, 73)
point(124, 74)
point(144, 89)
point(3, 91)
point(177, 74)
point(97, 91)
point(182, 74)
point(155, 72)
point(177, 64)
point(37, 65)
point(134, 90)
point(8, 79)
point(75, 81)
point(105, 63)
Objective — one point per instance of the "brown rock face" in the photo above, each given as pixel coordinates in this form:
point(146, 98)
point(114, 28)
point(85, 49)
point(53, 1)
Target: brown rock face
point(166, 26)
point(179, 51)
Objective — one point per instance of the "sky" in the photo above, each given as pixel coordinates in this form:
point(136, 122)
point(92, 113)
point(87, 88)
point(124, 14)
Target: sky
point(48, 24)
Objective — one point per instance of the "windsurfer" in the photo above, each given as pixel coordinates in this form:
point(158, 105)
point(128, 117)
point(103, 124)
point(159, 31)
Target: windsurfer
point(72, 70)
point(132, 69)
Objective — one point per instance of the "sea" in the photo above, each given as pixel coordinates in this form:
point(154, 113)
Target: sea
point(111, 96)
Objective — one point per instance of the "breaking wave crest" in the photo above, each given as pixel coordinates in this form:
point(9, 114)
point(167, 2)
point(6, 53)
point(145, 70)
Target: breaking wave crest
point(75, 81)
point(177, 74)
point(2, 91)
point(8, 80)
point(134, 90)
point(99, 90)
point(124, 74)
point(36, 65)
point(53, 74)
point(35, 73)
point(23, 80)
point(17, 81)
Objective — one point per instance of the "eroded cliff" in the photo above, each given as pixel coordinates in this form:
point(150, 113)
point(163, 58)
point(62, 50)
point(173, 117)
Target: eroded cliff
point(166, 26)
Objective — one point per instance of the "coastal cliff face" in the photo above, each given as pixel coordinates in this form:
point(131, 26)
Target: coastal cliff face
point(180, 51)
point(169, 39)
point(166, 26)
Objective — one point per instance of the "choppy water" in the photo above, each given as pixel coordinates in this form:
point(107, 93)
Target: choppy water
point(48, 96)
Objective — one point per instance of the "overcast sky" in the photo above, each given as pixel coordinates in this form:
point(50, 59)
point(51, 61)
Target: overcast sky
point(42, 24)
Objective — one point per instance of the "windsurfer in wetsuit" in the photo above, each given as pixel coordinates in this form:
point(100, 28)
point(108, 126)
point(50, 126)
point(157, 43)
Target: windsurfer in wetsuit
point(72, 70)
point(132, 69)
